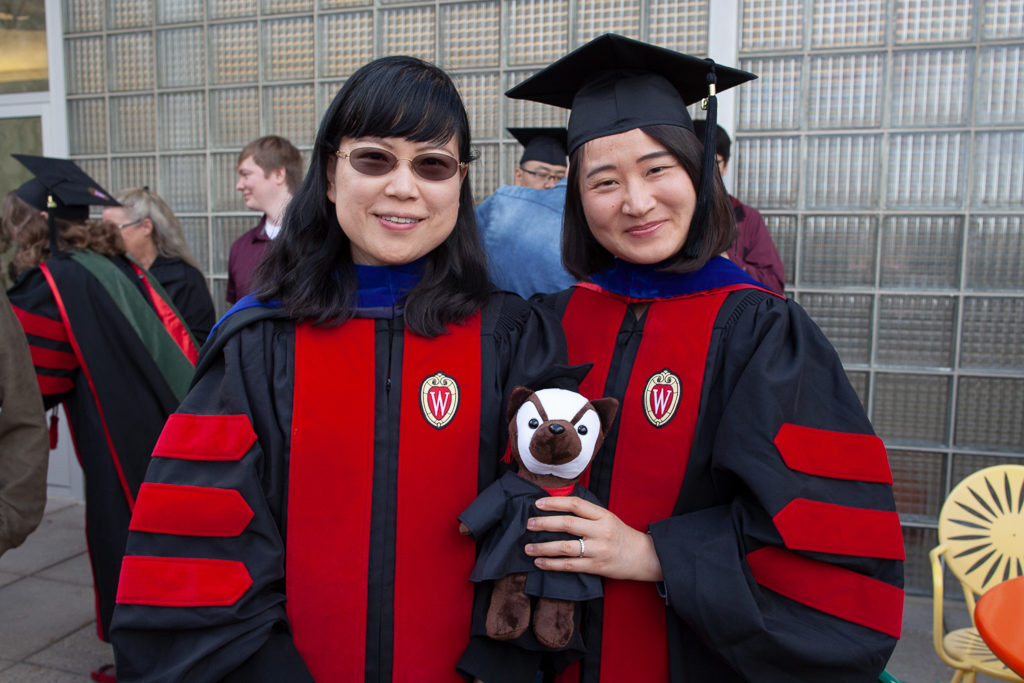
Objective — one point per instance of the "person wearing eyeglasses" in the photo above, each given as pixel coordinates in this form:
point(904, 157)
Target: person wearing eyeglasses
point(299, 518)
point(153, 237)
point(520, 224)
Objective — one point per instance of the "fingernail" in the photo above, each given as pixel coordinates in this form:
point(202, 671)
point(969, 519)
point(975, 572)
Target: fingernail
point(541, 503)
point(530, 523)
point(529, 549)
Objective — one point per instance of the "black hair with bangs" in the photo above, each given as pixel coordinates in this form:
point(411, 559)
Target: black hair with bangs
point(309, 267)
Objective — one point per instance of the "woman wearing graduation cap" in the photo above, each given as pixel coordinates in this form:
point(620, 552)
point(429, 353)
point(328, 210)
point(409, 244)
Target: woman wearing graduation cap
point(105, 342)
point(750, 532)
point(299, 517)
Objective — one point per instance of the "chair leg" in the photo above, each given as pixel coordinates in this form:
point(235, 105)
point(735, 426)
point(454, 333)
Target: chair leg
point(970, 676)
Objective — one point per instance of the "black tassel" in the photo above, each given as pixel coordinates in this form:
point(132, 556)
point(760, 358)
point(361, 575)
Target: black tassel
point(702, 212)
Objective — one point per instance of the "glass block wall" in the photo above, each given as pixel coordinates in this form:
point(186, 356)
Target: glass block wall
point(884, 142)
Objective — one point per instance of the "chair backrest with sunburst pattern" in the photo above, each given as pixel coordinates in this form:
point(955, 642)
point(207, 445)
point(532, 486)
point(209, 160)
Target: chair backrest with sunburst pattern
point(982, 526)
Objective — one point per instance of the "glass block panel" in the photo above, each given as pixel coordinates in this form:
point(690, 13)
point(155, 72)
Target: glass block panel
point(933, 21)
point(536, 31)
point(916, 331)
point(183, 120)
point(132, 122)
point(234, 117)
point(231, 9)
point(917, 568)
point(921, 252)
point(346, 43)
point(523, 114)
point(181, 58)
point(988, 413)
point(325, 95)
point(912, 408)
point(992, 336)
point(995, 253)
point(129, 13)
point(846, 321)
point(838, 251)
point(290, 111)
point(468, 35)
point(847, 24)
point(402, 32)
point(234, 53)
point(87, 126)
point(479, 94)
point(86, 69)
point(783, 233)
point(965, 465)
point(285, 6)
point(485, 171)
point(197, 235)
point(918, 482)
point(1000, 97)
point(772, 101)
point(132, 65)
point(926, 170)
point(227, 229)
point(223, 178)
point(845, 91)
point(859, 382)
point(679, 25)
point(771, 25)
point(135, 172)
point(220, 292)
point(183, 183)
point(335, 4)
point(81, 16)
point(594, 17)
point(288, 49)
point(767, 171)
point(842, 171)
point(931, 87)
point(98, 170)
point(998, 171)
point(179, 11)
point(1003, 19)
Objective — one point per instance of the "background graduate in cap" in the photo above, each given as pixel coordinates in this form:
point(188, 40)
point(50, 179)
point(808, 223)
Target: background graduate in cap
point(750, 530)
point(106, 342)
point(521, 224)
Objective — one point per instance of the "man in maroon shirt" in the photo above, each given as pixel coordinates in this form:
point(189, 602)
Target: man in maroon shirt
point(269, 172)
point(753, 249)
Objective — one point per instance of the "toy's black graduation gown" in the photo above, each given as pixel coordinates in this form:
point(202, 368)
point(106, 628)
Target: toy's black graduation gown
point(106, 343)
point(345, 454)
point(742, 449)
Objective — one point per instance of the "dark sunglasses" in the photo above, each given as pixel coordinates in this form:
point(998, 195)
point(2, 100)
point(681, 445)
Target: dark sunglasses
point(376, 161)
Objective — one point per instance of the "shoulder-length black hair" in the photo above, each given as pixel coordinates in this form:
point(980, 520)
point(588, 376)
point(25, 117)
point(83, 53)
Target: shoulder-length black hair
point(583, 255)
point(309, 267)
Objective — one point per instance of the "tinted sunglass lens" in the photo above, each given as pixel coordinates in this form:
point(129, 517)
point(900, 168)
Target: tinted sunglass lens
point(372, 161)
point(435, 166)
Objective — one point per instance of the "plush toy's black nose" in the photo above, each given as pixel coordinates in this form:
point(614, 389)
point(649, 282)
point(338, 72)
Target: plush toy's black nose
point(556, 428)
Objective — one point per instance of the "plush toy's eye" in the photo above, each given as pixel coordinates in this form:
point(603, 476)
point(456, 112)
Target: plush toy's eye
point(533, 423)
point(582, 429)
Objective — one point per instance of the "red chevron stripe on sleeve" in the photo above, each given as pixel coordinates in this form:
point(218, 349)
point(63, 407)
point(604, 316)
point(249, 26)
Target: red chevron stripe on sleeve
point(205, 437)
point(181, 581)
point(39, 326)
point(827, 528)
point(838, 455)
point(54, 386)
point(54, 360)
point(190, 511)
point(834, 590)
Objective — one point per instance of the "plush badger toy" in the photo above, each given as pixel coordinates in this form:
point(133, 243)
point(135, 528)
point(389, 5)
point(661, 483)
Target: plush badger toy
point(554, 433)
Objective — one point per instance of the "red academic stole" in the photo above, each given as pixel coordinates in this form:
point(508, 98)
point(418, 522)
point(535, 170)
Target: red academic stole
point(329, 499)
point(657, 420)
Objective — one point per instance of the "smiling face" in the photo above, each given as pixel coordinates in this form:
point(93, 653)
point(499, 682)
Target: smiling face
point(261, 191)
point(137, 234)
point(637, 197)
point(397, 217)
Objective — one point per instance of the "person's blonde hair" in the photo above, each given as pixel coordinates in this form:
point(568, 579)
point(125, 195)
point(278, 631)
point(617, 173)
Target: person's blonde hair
point(140, 203)
point(32, 233)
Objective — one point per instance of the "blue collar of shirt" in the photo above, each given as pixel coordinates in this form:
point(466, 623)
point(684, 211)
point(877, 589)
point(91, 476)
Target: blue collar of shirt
point(386, 286)
point(646, 282)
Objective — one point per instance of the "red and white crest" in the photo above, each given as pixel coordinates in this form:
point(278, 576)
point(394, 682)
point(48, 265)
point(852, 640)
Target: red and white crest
point(661, 397)
point(439, 399)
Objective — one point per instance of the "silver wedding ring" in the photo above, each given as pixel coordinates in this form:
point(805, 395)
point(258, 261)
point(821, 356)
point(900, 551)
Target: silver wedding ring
point(583, 548)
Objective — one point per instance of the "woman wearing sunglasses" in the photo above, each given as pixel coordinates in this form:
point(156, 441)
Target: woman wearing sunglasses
point(299, 517)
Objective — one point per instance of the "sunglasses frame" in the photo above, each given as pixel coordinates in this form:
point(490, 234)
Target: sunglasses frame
point(460, 165)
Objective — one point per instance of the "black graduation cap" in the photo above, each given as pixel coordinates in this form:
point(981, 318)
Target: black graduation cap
point(542, 144)
point(61, 187)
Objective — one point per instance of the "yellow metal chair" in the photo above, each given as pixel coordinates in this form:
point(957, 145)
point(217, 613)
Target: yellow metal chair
point(981, 539)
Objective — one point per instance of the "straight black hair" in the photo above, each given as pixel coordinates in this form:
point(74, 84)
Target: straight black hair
point(309, 267)
point(583, 255)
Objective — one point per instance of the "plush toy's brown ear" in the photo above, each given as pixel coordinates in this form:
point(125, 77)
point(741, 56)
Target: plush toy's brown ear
point(516, 400)
point(606, 409)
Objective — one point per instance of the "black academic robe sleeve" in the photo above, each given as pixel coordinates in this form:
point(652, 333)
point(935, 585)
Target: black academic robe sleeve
point(770, 366)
